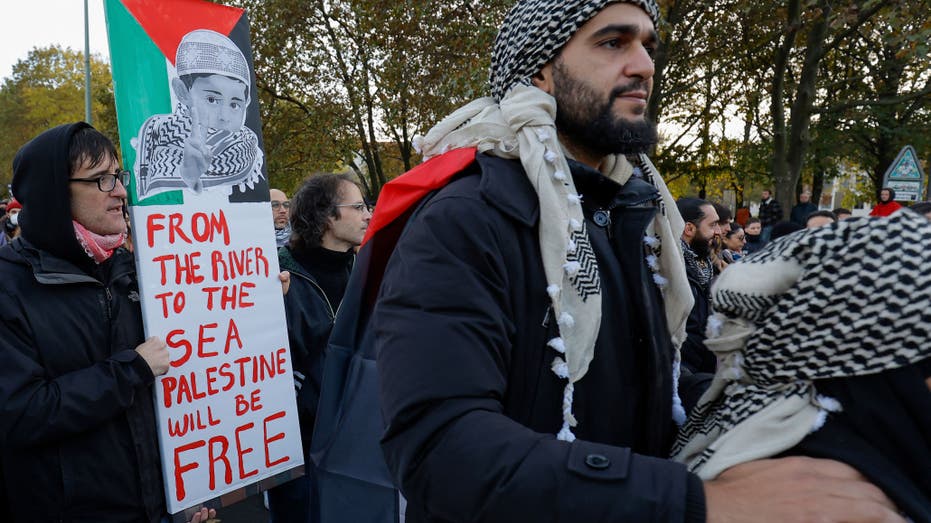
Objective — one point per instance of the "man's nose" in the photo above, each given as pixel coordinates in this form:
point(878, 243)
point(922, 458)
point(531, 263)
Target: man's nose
point(641, 64)
point(119, 190)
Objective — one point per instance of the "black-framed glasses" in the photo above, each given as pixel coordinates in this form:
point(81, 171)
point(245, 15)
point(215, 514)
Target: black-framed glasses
point(277, 205)
point(361, 206)
point(106, 182)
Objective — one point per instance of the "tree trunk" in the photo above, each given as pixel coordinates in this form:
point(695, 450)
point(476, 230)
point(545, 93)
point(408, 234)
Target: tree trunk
point(783, 183)
point(800, 136)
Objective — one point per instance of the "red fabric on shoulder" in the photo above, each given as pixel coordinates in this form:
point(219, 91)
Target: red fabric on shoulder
point(398, 195)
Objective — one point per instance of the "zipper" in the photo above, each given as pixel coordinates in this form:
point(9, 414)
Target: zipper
point(325, 299)
point(323, 294)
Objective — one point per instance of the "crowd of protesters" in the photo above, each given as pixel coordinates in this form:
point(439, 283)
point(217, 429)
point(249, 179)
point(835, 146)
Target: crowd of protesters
point(557, 338)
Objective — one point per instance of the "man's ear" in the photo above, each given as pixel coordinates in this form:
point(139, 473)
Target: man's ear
point(543, 80)
point(689, 232)
point(181, 91)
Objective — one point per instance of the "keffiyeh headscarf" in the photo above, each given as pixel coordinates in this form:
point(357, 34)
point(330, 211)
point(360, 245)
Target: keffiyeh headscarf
point(534, 31)
point(519, 123)
point(845, 300)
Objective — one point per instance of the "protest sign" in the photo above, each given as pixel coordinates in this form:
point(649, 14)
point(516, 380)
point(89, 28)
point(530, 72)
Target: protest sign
point(205, 246)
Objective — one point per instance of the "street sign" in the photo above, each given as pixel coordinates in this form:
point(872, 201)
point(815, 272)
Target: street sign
point(905, 176)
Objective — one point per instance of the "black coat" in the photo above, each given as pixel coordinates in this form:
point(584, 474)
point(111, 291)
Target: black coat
point(801, 211)
point(695, 356)
point(77, 419)
point(770, 212)
point(309, 317)
point(471, 404)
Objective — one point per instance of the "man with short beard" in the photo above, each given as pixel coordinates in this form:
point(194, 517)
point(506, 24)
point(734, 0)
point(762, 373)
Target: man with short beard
point(701, 228)
point(281, 214)
point(528, 320)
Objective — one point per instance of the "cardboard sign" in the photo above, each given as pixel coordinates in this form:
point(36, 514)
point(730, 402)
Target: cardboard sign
point(205, 247)
point(904, 175)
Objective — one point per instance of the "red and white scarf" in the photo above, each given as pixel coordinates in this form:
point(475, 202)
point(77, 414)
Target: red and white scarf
point(98, 247)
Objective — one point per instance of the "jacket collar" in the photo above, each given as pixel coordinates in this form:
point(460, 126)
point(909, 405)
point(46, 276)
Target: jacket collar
point(505, 186)
point(52, 270)
point(287, 262)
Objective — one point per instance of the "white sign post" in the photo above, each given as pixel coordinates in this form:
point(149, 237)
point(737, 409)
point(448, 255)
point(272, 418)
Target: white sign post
point(904, 176)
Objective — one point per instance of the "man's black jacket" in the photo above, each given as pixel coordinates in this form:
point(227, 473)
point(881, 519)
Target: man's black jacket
point(77, 420)
point(471, 404)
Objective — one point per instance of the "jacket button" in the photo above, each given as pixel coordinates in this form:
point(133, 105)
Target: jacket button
point(597, 461)
point(601, 218)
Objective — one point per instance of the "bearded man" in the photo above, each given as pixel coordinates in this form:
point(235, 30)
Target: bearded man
point(528, 320)
point(702, 225)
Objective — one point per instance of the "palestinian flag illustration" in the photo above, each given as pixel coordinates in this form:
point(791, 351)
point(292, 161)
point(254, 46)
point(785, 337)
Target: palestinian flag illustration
point(186, 100)
point(206, 264)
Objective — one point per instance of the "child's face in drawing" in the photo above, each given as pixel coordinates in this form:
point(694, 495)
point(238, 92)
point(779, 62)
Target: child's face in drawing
point(220, 102)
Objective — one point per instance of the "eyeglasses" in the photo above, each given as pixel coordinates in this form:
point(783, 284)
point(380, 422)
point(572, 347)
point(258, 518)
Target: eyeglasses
point(278, 205)
point(106, 182)
point(361, 206)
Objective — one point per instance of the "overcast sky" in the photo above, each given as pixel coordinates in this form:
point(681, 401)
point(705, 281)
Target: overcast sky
point(38, 23)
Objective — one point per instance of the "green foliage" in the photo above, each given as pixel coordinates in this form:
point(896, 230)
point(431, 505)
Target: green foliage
point(346, 84)
point(813, 84)
point(47, 89)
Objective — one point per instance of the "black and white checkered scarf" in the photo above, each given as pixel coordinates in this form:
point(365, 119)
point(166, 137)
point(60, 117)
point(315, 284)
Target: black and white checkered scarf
point(701, 270)
point(849, 299)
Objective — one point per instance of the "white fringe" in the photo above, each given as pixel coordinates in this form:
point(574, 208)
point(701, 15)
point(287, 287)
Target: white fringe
point(660, 280)
point(558, 345)
point(568, 420)
point(572, 268)
point(553, 291)
point(566, 320)
point(678, 410)
point(560, 368)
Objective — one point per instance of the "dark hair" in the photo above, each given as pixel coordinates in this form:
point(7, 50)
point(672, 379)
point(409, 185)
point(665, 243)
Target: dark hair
point(784, 229)
point(752, 221)
point(691, 209)
point(841, 210)
point(825, 214)
point(734, 229)
point(879, 195)
point(921, 207)
point(312, 207)
point(90, 147)
point(724, 212)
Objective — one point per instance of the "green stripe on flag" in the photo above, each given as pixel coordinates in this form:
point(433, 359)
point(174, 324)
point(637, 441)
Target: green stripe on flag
point(140, 86)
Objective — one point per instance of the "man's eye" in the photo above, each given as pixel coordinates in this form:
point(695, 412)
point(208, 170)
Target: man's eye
point(612, 43)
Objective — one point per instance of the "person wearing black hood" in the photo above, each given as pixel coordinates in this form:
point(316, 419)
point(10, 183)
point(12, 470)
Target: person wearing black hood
point(887, 204)
point(77, 423)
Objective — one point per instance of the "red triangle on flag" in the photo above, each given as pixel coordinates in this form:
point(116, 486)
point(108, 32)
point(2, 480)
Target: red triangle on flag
point(167, 21)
